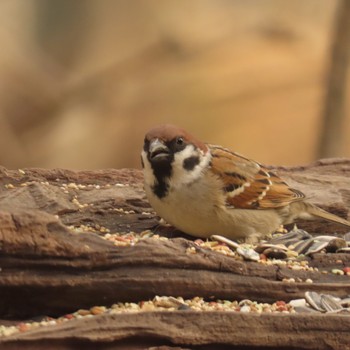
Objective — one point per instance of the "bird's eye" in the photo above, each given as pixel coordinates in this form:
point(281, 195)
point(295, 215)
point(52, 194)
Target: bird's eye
point(180, 141)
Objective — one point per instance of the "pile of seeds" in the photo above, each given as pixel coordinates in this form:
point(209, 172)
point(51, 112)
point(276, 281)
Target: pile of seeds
point(220, 245)
point(131, 238)
point(313, 302)
point(120, 239)
point(163, 303)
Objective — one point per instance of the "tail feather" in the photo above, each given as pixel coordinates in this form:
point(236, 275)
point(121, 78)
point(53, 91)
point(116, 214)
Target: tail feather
point(316, 211)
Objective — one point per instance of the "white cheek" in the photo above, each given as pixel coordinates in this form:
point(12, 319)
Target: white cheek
point(147, 170)
point(181, 176)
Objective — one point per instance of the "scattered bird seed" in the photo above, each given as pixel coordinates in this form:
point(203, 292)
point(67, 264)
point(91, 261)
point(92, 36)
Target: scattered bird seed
point(245, 251)
point(248, 253)
point(225, 240)
point(191, 250)
point(159, 303)
point(220, 246)
point(299, 242)
point(73, 185)
point(288, 280)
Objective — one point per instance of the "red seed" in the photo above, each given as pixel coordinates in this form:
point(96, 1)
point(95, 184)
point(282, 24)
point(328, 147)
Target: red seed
point(198, 241)
point(281, 308)
point(69, 316)
point(22, 327)
point(280, 303)
point(346, 270)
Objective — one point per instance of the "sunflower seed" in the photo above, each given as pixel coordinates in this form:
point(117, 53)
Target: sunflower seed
point(316, 247)
point(291, 237)
point(263, 246)
point(329, 303)
point(275, 253)
point(302, 246)
point(248, 253)
point(223, 239)
point(314, 300)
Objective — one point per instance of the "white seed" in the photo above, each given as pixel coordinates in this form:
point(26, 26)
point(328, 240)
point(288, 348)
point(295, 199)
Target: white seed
point(73, 185)
point(245, 308)
point(298, 302)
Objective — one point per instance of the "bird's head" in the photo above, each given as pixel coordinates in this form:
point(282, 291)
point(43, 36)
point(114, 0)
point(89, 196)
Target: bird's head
point(171, 154)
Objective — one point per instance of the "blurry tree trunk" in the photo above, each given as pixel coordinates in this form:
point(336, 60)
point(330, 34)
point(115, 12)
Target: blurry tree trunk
point(61, 28)
point(334, 110)
point(11, 151)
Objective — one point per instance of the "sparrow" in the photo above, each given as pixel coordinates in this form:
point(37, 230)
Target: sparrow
point(204, 189)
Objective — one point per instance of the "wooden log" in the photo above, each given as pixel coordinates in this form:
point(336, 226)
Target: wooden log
point(194, 330)
point(46, 269)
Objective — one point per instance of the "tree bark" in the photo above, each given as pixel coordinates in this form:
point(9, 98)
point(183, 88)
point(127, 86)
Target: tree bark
point(48, 270)
point(332, 136)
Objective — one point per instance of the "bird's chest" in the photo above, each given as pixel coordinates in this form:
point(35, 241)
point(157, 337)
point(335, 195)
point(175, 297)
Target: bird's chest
point(189, 204)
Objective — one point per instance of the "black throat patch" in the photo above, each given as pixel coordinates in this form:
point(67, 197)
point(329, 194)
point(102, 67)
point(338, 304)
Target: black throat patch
point(162, 173)
point(162, 168)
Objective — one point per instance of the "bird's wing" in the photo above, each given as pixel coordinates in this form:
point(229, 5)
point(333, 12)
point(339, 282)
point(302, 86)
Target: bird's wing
point(247, 184)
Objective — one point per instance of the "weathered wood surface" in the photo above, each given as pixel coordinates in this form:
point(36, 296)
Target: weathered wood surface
point(47, 270)
point(193, 330)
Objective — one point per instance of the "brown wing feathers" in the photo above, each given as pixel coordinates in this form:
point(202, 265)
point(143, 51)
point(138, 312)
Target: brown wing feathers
point(248, 185)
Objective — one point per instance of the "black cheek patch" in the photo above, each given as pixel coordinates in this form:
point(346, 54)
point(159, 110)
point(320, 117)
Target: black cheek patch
point(190, 163)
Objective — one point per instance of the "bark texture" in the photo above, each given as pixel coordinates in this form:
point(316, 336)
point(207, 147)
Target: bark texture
point(48, 270)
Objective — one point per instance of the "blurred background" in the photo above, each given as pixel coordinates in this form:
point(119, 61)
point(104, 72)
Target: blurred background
point(82, 81)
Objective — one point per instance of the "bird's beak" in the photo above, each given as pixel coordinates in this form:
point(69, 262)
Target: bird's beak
point(158, 151)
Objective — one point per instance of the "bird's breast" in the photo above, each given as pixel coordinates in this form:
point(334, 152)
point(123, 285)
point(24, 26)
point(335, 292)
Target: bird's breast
point(192, 208)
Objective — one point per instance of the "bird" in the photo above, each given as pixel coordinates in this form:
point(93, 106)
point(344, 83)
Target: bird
point(204, 189)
